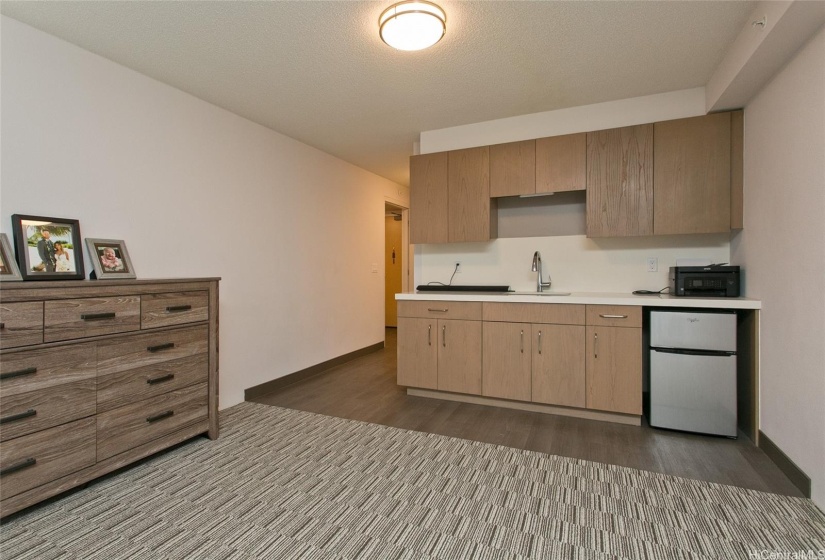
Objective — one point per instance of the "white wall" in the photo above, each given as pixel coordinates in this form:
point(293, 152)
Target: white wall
point(575, 262)
point(198, 191)
point(783, 250)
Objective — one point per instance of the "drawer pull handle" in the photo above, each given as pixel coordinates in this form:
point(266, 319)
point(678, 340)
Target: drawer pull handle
point(160, 347)
point(437, 310)
point(176, 308)
point(27, 371)
point(20, 416)
point(97, 316)
point(160, 416)
point(613, 316)
point(156, 380)
point(19, 466)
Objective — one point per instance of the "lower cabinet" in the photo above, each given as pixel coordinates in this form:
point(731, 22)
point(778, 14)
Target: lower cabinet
point(507, 361)
point(574, 356)
point(559, 365)
point(614, 358)
point(441, 354)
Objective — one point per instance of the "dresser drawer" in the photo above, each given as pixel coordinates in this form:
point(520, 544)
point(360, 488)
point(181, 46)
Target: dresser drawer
point(178, 308)
point(21, 324)
point(469, 310)
point(32, 460)
point(128, 386)
point(150, 349)
point(79, 318)
point(30, 412)
point(132, 425)
point(614, 315)
point(35, 370)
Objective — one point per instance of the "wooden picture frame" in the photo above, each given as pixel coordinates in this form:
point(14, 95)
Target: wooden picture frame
point(48, 248)
point(110, 259)
point(8, 266)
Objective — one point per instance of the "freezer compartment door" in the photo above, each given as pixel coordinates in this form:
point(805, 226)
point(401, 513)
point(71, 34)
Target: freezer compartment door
point(693, 330)
point(693, 393)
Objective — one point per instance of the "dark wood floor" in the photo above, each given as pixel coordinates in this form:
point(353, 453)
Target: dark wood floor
point(365, 389)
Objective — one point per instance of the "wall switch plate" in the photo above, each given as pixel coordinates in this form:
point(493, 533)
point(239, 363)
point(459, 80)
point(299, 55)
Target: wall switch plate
point(375, 268)
point(652, 264)
point(457, 267)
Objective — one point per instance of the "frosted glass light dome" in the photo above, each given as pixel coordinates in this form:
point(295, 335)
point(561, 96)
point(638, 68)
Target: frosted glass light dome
point(412, 25)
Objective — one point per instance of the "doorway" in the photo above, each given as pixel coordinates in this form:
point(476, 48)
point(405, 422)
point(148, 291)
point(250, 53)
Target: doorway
point(394, 257)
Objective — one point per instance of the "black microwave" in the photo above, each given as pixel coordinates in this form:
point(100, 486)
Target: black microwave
point(704, 281)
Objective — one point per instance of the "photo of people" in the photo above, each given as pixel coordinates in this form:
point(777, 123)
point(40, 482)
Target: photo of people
point(110, 259)
point(48, 248)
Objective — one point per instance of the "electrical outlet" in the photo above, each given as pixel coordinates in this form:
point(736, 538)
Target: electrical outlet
point(652, 264)
point(458, 267)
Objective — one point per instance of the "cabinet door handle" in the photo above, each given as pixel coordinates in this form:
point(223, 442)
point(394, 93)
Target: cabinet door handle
point(438, 310)
point(522, 341)
point(539, 342)
point(19, 466)
point(160, 347)
point(2, 326)
point(444, 336)
point(20, 416)
point(429, 335)
point(18, 373)
point(161, 379)
point(97, 316)
point(595, 345)
point(160, 416)
point(613, 316)
point(176, 308)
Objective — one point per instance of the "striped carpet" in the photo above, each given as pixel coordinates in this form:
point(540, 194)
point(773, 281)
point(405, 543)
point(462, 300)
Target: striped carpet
point(283, 483)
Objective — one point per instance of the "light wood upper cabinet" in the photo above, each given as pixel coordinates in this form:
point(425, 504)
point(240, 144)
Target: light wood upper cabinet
point(507, 361)
point(513, 168)
point(429, 179)
point(737, 144)
point(692, 176)
point(561, 163)
point(472, 214)
point(620, 182)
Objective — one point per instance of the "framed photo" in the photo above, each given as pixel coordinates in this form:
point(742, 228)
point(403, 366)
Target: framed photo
point(110, 259)
point(8, 266)
point(48, 248)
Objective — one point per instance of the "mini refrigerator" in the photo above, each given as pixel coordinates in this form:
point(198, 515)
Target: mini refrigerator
point(693, 371)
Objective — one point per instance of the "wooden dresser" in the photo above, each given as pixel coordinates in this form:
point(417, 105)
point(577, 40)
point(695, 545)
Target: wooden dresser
point(95, 375)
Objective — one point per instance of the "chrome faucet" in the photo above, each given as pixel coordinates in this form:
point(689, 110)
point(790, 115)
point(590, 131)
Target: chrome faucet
point(537, 268)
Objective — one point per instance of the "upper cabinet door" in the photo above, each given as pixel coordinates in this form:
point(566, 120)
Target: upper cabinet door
point(471, 214)
point(692, 175)
point(561, 163)
point(513, 168)
point(429, 179)
point(620, 182)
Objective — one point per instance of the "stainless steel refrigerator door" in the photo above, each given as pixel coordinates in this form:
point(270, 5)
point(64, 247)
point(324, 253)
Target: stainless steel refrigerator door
point(693, 330)
point(693, 393)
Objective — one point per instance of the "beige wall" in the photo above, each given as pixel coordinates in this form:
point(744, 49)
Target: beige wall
point(198, 191)
point(783, 251)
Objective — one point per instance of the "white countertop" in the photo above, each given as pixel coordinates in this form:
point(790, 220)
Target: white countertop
point(594, 298)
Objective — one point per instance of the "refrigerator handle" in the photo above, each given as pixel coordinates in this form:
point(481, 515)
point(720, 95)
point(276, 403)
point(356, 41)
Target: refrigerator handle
point(694, 352)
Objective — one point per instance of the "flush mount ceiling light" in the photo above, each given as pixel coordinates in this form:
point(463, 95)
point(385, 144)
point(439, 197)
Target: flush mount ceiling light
point(412, 25)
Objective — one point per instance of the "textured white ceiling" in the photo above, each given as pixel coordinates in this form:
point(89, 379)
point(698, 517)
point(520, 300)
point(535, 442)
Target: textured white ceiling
point(318, 72)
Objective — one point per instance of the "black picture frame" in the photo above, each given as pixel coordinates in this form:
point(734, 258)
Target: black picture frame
point(45, 261)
